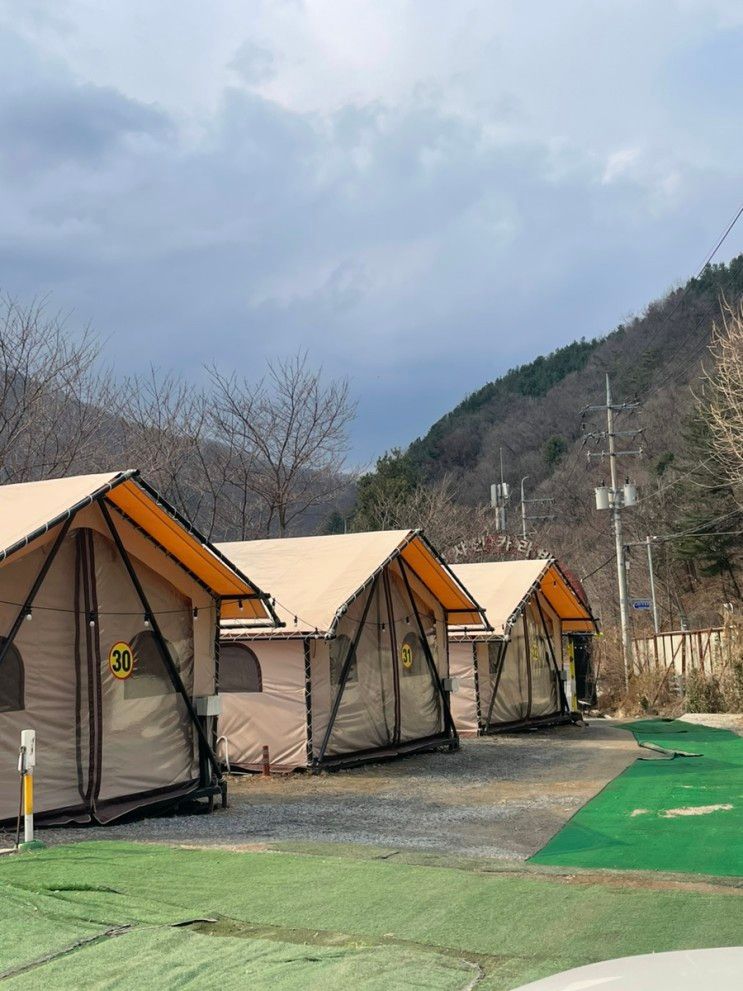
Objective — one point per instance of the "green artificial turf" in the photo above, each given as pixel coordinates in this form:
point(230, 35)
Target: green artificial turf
point(684, 814)
point(291, 921)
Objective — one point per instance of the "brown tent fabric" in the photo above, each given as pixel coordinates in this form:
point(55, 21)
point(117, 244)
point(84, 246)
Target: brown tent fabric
point(357, 669)
point(518, 674)
point(105, 744)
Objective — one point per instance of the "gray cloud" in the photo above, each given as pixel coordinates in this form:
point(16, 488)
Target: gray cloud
point(253, 64)
point(42, 128)
point(421, 245)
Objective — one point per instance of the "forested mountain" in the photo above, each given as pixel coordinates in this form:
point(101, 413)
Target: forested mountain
point(533, 416)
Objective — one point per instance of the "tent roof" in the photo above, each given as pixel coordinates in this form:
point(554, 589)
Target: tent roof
point(29, 510)
point(313, 578)
point(503, 587)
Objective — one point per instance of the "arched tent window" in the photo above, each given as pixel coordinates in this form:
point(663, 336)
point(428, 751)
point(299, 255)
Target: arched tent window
point(412, 656)
point(12, 679)
point(239, 669)
point(150, 677)
point(339, 649)
point(494, 653)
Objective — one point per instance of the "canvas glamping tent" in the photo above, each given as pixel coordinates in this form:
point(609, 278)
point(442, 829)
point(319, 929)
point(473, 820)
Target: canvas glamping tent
point(518, 674)
point(109, 614)
point(360, 666)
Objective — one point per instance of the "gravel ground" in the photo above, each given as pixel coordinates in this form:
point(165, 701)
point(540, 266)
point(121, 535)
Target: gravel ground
point(500, 797)
point(732, 721)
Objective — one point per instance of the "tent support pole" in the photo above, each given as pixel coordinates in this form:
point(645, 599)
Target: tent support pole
point(527, 641)
point(448, 721)
point(393, 654)
point(558, 673)
point(308, 695)
point(160, 640)
point(478, 701)
point(501, 665)
point(44, 570)
point(345, 670)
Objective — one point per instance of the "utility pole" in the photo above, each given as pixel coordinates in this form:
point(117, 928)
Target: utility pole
point(499, 493)
point(530, 519)
point(649, 545)
point(616, 499)
point(499, 496)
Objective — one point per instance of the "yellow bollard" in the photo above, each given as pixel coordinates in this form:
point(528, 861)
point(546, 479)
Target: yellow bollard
point(26, 767)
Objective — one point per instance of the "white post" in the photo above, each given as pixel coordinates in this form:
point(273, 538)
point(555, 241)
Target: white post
point(28, 763)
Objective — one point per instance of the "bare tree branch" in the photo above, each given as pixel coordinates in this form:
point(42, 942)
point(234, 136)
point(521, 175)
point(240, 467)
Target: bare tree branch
point(287, 436)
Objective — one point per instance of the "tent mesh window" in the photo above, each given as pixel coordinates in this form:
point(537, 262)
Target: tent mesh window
point(494, 649)
point(412, 656)
point(239, 670)
point(338, 652)
point(150, 677)
point(538, 648)
point(11, 679)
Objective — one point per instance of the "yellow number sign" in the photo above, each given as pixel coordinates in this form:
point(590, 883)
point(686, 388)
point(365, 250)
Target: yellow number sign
point(121, 660)
point(406, 656)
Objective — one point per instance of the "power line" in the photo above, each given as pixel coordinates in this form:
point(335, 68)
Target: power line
point(661, 489)
point(600, 568)
point(682, 295)
point(722, 240)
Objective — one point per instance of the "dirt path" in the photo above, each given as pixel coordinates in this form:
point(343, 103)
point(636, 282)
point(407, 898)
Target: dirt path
point(498, 797)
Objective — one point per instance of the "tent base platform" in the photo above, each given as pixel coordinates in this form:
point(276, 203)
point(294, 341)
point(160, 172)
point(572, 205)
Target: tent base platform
point(534, 722)
point(439, 742)
point(152, 803)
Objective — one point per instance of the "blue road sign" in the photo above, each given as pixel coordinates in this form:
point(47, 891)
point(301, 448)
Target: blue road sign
point(642, 605)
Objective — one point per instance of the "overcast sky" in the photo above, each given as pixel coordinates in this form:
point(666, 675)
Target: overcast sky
point(423, 193)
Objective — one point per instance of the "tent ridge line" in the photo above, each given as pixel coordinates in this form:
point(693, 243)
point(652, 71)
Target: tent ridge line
point(207, 545)
point(460, 585)
point(343, 608)
point(579, 598)
point(534, 587)
point(70, 512)
point(156, 543)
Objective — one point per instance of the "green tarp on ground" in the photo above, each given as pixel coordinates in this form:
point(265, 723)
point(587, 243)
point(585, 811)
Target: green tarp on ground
point(681, 814)
point(289, 921)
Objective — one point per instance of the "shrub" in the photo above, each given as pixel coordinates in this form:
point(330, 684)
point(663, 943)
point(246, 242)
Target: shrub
point(702, 693)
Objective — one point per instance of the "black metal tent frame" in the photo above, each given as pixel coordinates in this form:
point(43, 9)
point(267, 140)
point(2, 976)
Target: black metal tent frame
point(562, 714)
point(448, 737)
point(210, 774)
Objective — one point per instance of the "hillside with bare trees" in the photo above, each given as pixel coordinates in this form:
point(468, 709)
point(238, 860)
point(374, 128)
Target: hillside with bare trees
point(241, 459)
point(531, 418)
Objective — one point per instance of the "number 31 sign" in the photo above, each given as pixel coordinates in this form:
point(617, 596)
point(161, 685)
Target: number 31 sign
point(120, 660)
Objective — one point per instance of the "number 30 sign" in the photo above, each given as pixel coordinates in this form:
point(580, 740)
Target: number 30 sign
point(120, 660)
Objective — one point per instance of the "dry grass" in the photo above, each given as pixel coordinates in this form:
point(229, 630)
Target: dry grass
point(660, 693)
point(650, 693)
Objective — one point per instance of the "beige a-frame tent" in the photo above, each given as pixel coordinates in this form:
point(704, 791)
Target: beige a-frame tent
point(359, 669)
point(521, 672)
point(109, 616)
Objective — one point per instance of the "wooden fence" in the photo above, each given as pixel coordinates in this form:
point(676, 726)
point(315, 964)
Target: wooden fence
point(680, 652)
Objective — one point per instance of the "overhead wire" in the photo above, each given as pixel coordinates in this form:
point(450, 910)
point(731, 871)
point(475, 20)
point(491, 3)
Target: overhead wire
point(600, 567)
point(654, 335)
point(672, 373)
